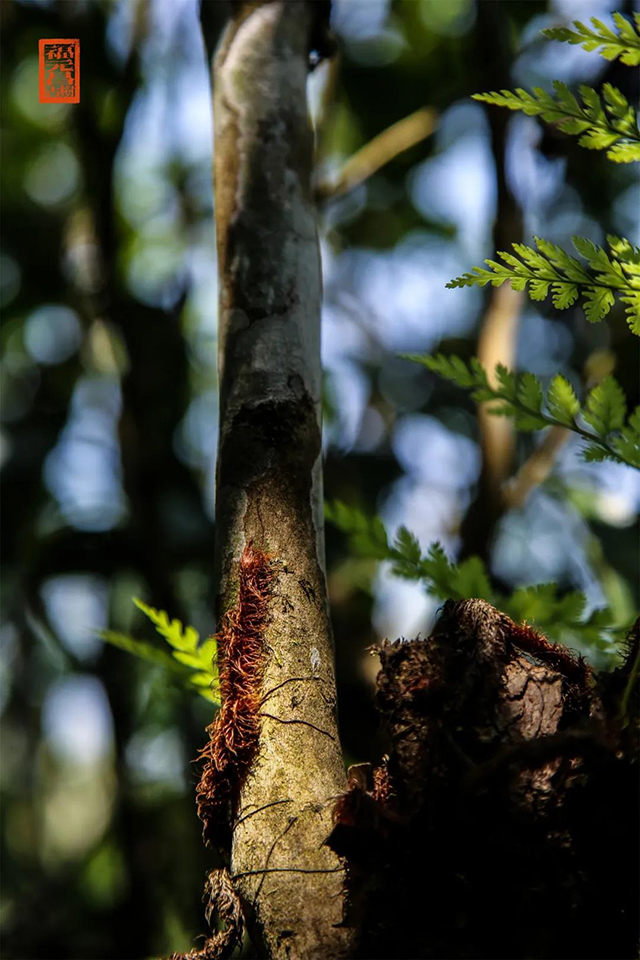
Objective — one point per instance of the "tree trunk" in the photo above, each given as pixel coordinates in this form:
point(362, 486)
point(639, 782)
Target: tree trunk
point(279, 696)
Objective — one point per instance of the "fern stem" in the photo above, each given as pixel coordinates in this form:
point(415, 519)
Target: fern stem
point(552, 422)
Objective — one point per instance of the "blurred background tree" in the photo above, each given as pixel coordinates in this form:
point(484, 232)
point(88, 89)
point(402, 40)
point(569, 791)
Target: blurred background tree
point(109, 404)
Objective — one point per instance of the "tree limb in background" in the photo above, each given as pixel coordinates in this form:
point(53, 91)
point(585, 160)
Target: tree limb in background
point(384, 147)
point(536, 468)
point(498, 331)
point(269, 485)
point(497, 345)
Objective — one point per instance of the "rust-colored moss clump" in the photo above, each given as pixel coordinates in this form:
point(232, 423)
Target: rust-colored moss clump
point(560, 658)
point(222, 902)
point(233, 735)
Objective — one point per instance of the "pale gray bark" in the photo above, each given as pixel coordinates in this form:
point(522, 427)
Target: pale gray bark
point(269, 473)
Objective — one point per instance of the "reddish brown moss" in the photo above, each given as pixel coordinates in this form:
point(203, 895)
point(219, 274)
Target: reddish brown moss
point(233, 735)
point(222, 902)
point(560, 658)
point(382, 786)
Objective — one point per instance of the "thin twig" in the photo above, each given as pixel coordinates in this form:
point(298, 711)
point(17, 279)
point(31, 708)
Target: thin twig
point(536, 469)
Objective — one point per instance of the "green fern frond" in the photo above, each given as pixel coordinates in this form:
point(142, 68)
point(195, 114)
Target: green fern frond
point(141, 649)
point(521, 397)
point(549, 269)
point(441, 578)
point(625, 43)
point(172, 631)
point(559, 616)
point(196, 665)
point(624, 152)
point(562, 616)
point(610, 125)
point(629, 259)
point(605, 409)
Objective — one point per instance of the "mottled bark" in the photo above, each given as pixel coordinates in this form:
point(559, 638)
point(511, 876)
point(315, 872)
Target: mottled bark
point(269, 488)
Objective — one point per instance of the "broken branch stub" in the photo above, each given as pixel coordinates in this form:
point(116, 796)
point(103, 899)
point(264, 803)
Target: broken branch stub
point(510, 794)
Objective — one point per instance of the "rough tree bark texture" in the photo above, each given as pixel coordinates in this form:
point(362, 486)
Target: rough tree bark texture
point(269, 487)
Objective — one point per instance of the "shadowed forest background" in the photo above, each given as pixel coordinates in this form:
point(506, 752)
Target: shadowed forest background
point(109, 405)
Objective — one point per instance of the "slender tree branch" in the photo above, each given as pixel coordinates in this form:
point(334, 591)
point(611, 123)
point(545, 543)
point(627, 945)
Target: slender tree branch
point(499, 323)
point(537, 468)
point(372, 156)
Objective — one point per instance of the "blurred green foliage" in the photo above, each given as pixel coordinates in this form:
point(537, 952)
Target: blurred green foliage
point(560, 617)
point(195, 663)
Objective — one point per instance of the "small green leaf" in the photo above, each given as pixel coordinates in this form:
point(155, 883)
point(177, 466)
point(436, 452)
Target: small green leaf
point(564, 295)
point(172, 631)
point(201, 679)
point(407, 545)
point(624, 44)
point(598, 139)
point(594, 453)
point(633, 311)
point(605, 408)
point(530, 392)
point(471, 580)
point(597, 303)
point(624, 153)
point(549, 268)
point(141, 649)
point(562, 402)
point(626, 444)
point(189, 659)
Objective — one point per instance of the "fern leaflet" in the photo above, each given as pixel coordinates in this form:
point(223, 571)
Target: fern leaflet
point(196, 664)
point(609, 44)
point(559, 616)
point(610, 126)
point(549, 269)
point(520, 396)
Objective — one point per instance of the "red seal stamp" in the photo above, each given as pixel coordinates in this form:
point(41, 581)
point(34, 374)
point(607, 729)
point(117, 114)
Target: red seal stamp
point(59, 62)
